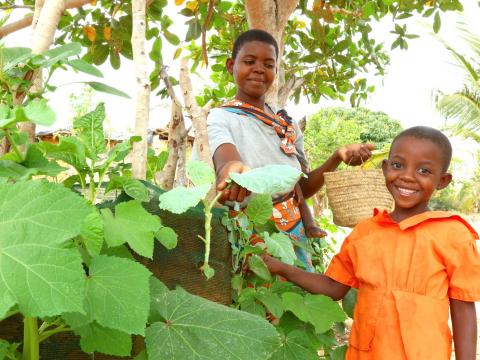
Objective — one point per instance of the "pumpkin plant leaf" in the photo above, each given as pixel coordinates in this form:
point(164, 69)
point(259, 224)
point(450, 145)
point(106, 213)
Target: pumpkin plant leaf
point(259, 209)
point(180, 199)
point(210, 331)
point(280, 245)
point(273, 302)
point(270, 179)
point(38, 112)
point(95, 337)
point(296, 345)
point(319, 310)
point(118, 294)
point(200, 173)
point(36, 219)
point(167, 237)
point(132, 224)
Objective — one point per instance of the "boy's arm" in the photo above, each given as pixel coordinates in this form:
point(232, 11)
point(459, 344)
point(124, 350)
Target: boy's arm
point(314, 283)
point(464, 324)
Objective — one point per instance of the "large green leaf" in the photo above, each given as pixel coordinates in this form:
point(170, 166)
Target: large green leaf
point(90, 131)
point(118, 294)
point(12, 170)
point(95, 337)
point(132, 224)
point(280, 245)
point(200, 173)
point(259, 209)
point(7, 117)
point(319, 310)
point(36, 219)
point(38, 112)
point(41, 212)
point(296, 346)
point(270, 179)
point(273, 302)
point(6, 302)
point(195, 328)
point(258, 266)
point(180, 199)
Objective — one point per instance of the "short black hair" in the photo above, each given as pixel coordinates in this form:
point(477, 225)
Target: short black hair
point(433, 135)
point(253, 35)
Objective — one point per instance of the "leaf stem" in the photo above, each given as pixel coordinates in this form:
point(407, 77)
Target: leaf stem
point(46, 334)
point(13, 145)
point(31, 349)
point(208, 226)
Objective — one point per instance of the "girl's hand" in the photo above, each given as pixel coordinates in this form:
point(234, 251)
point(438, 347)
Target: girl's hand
point(235, 192)
point(355, 154)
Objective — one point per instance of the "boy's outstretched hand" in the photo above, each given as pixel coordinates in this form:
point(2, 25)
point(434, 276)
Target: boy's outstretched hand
point(355, 154)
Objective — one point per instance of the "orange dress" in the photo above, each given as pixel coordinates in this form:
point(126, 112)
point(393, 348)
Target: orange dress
point(405, 274)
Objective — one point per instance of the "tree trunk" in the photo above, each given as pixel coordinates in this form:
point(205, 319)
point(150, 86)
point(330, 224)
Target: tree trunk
point(139, 153)
point(181, 171)
point(197, 114)
point(271, 16)
point(176, 136)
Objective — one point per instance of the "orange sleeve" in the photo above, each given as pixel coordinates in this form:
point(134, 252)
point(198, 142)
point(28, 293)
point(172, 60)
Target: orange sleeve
point(341, 267)
point(463, 265)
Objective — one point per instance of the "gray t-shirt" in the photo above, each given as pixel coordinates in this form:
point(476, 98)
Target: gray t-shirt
point(257, 143)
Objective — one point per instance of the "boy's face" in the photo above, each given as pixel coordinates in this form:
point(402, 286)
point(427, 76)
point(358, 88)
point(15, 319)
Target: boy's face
point(253, 70)
point(413, 171)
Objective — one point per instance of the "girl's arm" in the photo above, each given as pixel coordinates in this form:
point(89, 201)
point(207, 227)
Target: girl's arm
point(464, 324)
point(353, 154)
point(314, 283)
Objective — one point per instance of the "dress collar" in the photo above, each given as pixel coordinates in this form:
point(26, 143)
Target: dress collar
point(382, 217)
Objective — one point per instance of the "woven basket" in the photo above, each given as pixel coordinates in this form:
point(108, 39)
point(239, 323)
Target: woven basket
point(352, 195)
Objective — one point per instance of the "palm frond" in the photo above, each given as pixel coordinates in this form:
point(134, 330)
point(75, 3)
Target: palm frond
point(463, 108)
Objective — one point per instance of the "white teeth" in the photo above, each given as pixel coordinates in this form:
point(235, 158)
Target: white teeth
point(406, 192)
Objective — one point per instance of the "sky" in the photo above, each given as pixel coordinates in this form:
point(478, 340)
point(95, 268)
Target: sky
point(404, 93)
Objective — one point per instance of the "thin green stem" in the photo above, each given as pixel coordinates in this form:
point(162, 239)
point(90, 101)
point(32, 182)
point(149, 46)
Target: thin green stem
point(208, 226)
point(12, 144)
point(59, 329)
point(100, 180)
point(31, 349)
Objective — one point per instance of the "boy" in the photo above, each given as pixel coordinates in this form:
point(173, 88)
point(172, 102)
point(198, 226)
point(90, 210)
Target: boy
point(409, 266)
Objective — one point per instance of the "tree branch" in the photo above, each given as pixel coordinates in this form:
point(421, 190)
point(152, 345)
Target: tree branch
point(27, 21)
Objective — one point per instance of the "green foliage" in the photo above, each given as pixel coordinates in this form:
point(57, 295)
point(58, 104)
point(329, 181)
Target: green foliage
point(231, 334)
point(331, 128)
point(461, 109)
point(328, 45)
point(270, 179)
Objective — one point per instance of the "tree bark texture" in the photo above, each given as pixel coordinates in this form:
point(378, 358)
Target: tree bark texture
point(139, 153)
point(197, 114)
point(177, 135)
point(271, 16)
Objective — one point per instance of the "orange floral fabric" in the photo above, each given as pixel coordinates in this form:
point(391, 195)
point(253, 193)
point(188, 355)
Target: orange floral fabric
point(405, 274)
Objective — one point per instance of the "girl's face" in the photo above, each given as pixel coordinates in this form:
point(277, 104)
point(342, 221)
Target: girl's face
point(253, 70)
point(413, 171)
